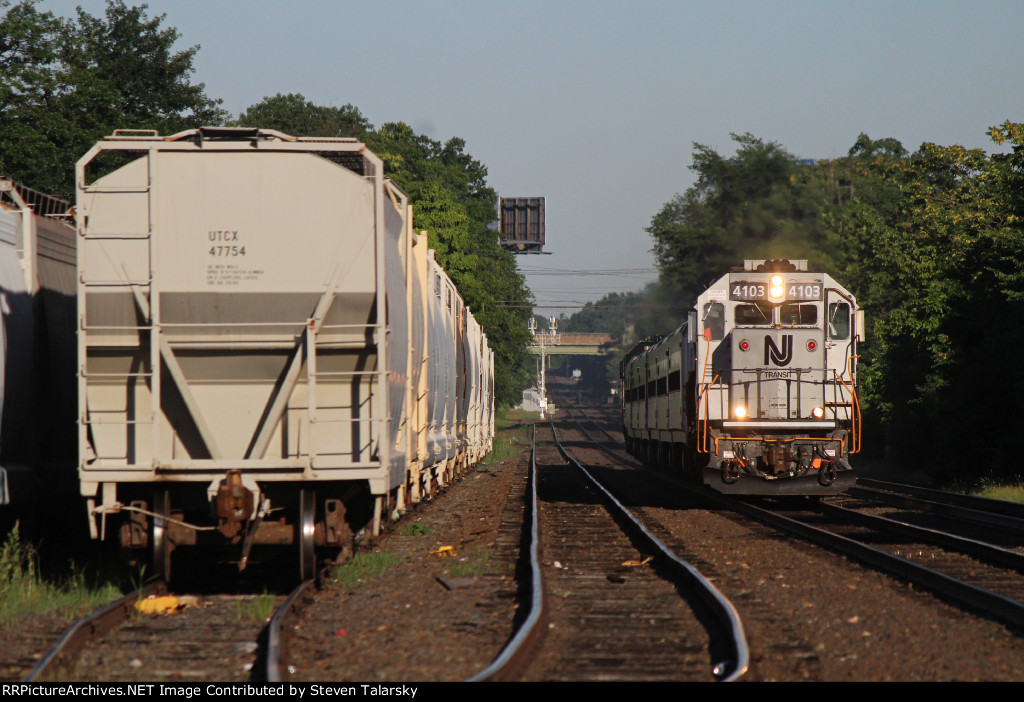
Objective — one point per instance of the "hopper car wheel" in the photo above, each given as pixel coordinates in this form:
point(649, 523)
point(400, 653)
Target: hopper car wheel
point(307, 530)
point(162, 545)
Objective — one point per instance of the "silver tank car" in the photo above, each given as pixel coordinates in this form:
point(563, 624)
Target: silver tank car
point(263, 336)
point(756, 392)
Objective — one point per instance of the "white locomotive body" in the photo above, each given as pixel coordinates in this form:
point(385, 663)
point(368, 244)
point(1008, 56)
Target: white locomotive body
point(756, 392)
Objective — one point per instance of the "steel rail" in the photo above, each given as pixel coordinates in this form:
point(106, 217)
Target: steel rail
point(1003, 515)
point(513, 656)
point(1008, 609)
point(997, 555)
point(726, 671)
point(277, 643)
point(62, 656)
point(982, 504)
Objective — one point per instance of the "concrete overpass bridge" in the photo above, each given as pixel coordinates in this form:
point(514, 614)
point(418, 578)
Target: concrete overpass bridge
point(548, 344)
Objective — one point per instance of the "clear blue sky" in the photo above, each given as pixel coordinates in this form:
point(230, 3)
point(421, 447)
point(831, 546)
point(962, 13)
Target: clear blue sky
point(595, 105)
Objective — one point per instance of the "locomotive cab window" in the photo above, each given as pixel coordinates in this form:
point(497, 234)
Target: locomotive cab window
point(838, 320)
point(791, 313)
point(714, 320)
point(753, 314)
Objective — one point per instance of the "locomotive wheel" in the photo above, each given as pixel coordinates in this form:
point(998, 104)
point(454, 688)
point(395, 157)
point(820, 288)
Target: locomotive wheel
point(161, 544)
point(307, 531)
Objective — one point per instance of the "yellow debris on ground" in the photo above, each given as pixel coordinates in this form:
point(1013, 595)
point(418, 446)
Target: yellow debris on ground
point(444, 552)
point(634, 564)
point(164, 604)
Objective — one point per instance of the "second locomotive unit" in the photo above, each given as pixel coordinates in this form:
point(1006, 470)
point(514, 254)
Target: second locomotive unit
point(756, 392)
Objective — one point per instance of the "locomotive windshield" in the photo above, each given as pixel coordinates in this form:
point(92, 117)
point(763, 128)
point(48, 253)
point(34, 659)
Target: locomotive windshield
point(762, 315)
point(714, 320)
point(791, 313)
point(838, 320)
point(755, 314)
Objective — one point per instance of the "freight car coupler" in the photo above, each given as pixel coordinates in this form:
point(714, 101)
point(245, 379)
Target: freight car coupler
point(235, 504)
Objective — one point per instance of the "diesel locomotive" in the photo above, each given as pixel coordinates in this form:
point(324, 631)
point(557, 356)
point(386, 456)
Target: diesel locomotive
point(756, 393)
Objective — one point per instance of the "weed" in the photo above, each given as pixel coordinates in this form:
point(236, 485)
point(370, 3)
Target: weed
point(512, 430)
point(1000, 491)
point(414, 529)
point(473, 565)
point(255, 609)
point(363, 567)
point(23, 591)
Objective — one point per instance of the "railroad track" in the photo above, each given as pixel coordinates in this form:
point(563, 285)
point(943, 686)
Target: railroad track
point(964, 548)
point(995, 521)
point(925, 559)
point(974, 560)
point(207, 638)
point(611, 606)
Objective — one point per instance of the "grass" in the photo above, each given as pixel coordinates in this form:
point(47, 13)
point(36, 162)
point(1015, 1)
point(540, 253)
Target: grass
point(994, 487)
point(474, 565)
point(413, 529)
point(363, 567)
point(512, 430)
point(23, 591)
point(257, 609)
point(993, 490)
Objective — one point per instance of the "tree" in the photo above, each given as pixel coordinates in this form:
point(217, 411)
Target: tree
point(933, 245)
point(293, 114)
point(68, 83)
point(761, 203)
point(452, 201)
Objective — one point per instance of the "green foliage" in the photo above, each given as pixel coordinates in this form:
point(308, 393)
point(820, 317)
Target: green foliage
point(66, 83)
point(933, 245)
point(760, 203)
point(997, 490)
point(414, 529)
point(23, 591)
point(615, 313)
point(471, 566)
point(294, 115)
point(363, 567)
point(256, 609)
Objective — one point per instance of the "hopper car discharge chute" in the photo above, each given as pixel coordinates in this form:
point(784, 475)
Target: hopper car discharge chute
point(268, 354)
point(756, 392)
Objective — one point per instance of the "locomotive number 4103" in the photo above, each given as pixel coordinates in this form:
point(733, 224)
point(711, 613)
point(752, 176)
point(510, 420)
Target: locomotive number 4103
point(759, 291)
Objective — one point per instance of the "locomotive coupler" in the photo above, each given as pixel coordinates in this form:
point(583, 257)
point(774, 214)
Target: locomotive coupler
point(827, 474)
point(777, 459)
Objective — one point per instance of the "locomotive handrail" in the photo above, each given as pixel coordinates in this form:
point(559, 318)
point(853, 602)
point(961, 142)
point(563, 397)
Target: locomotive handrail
point(855, 423)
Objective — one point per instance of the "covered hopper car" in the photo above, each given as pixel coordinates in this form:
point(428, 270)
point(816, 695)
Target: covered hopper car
point(37, 361)
point(263, 337)
point(756, 392)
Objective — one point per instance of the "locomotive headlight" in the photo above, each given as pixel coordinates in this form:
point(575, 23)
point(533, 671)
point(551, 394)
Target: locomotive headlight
point(740, 411)
point(775, 289)
point(817, 412)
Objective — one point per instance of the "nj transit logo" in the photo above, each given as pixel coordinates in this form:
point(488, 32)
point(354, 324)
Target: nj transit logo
point(772, 353)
